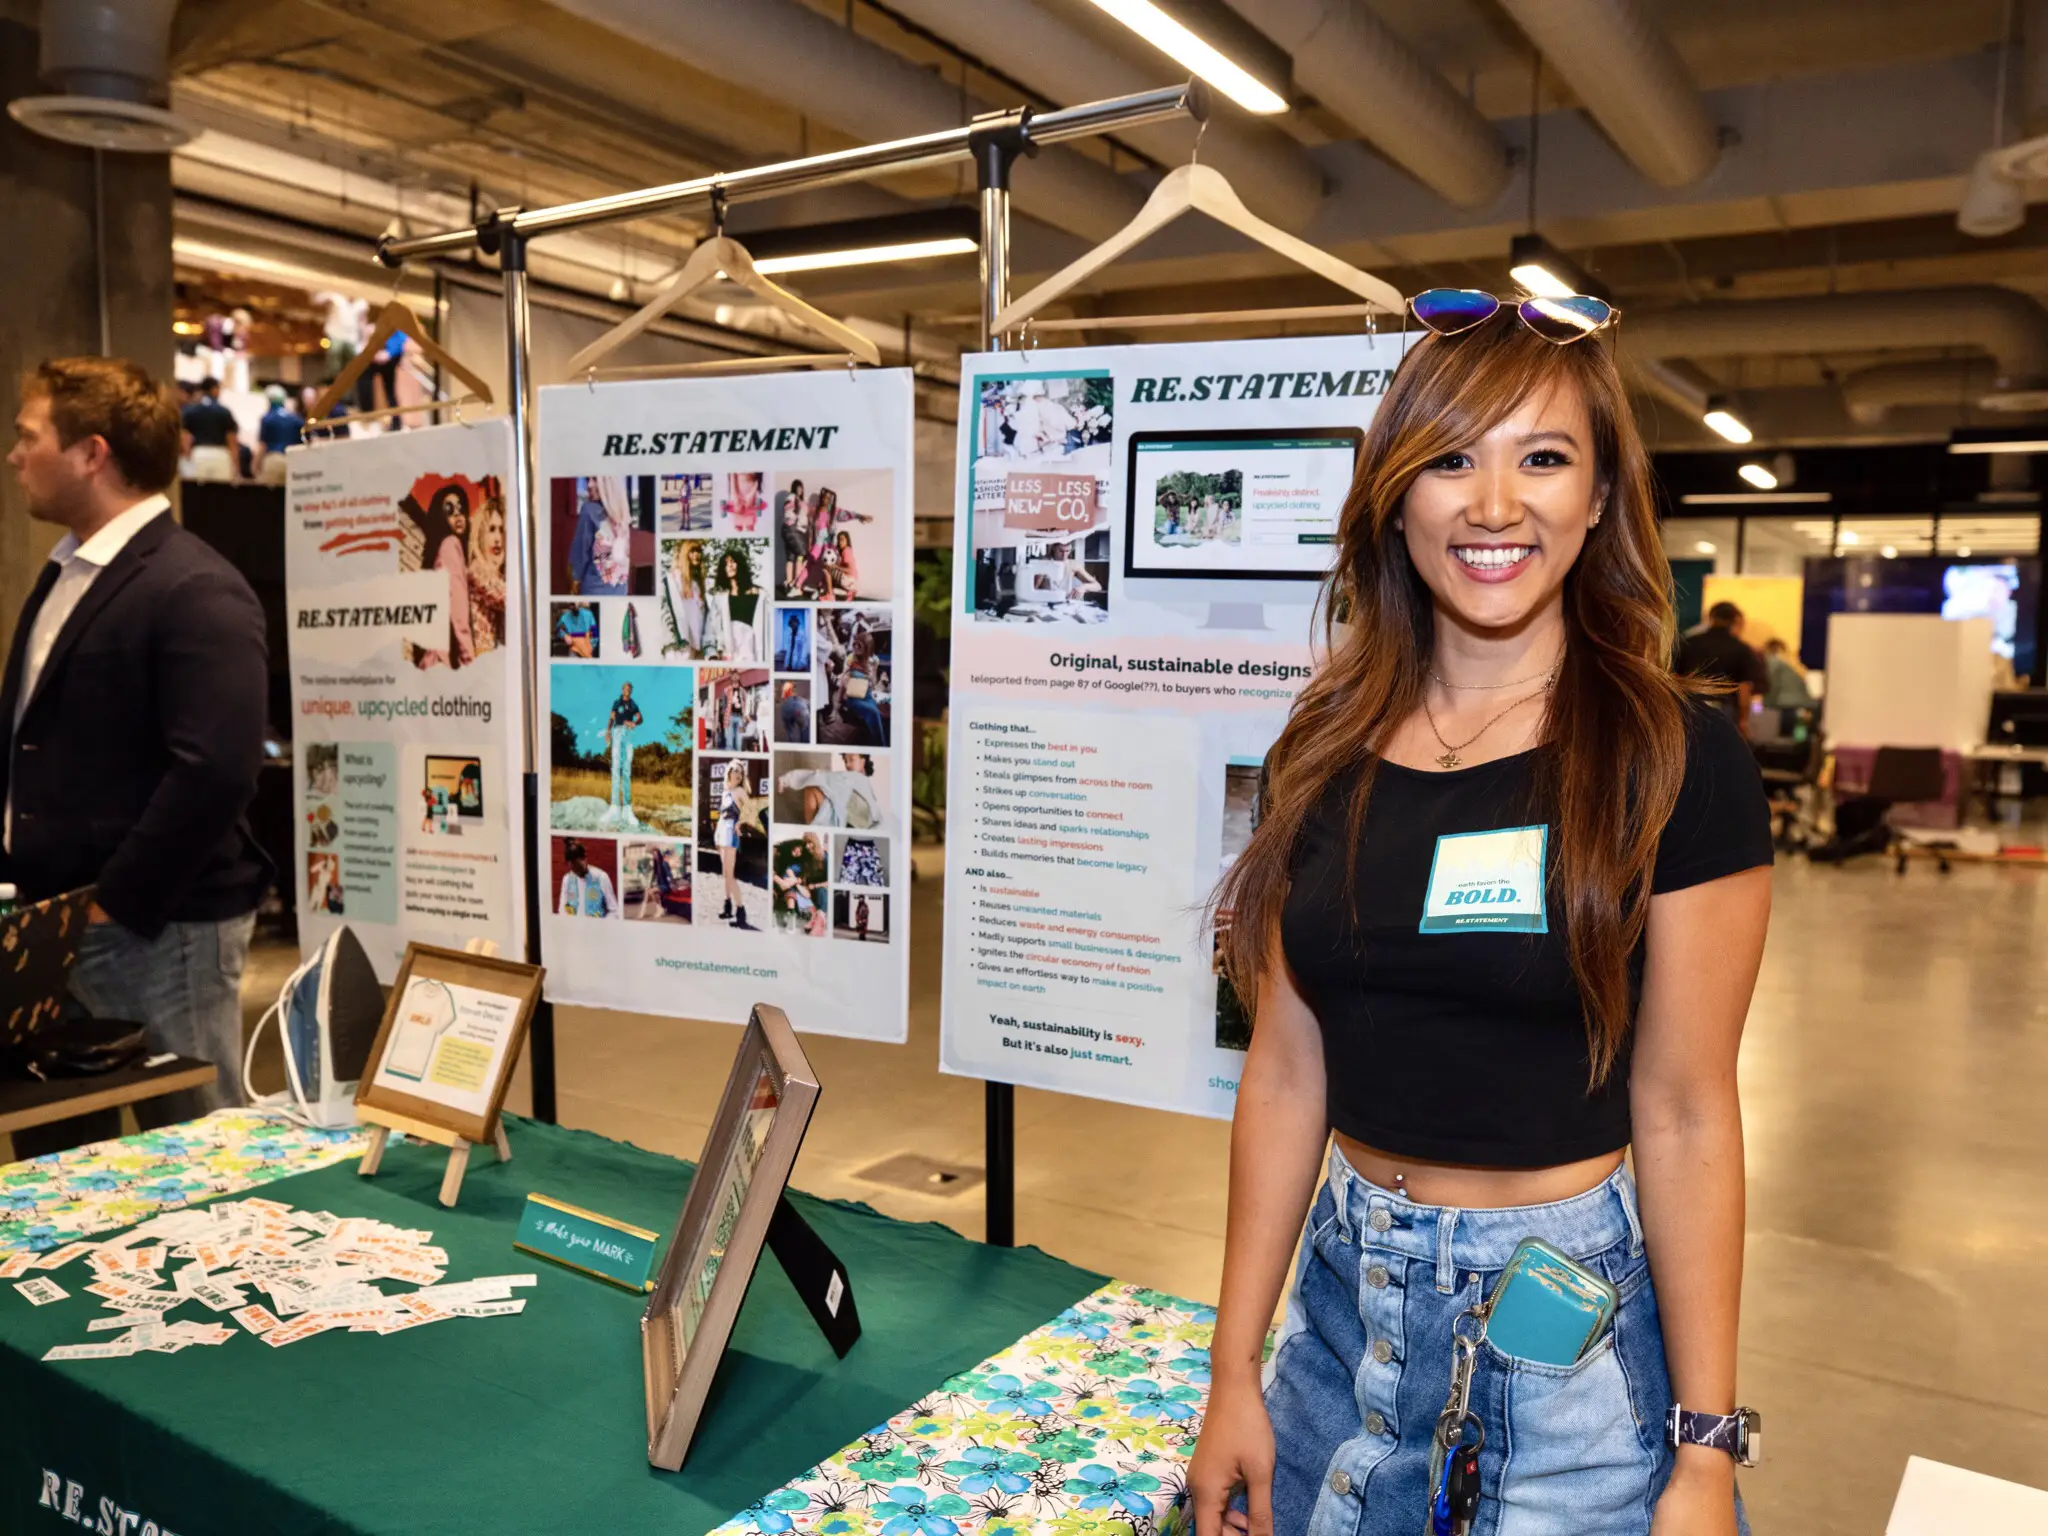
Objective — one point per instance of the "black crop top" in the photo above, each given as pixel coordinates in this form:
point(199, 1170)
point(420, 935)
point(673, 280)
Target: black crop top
point(1452, 1025)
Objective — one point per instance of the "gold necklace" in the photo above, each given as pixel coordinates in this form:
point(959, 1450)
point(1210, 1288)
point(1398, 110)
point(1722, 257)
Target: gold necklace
point(1520, 682)
point(1450, 758)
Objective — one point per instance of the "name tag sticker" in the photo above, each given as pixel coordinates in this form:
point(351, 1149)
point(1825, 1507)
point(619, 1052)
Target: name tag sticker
point(1487, 880)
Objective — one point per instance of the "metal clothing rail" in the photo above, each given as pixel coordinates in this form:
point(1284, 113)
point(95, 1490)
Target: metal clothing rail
point(993, 142)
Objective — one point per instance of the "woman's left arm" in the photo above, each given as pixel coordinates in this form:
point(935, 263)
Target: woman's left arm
point(1704, 946)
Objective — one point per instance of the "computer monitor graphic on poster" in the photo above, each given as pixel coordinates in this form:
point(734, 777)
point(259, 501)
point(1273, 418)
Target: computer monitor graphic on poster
point(1235, 519)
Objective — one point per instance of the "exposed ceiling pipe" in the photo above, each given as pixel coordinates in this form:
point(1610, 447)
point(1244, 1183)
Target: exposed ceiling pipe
point(1272, 172)
point(242, 170)
point(1630, 80)
point(1870, 394)
point(1364, 74)
point(857, 86)
point(1678, 384)
point(115, 49)
point(110, 62)
point(2008, 326)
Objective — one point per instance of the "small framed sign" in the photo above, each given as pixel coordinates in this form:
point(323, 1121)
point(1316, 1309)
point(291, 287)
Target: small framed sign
point(453, 1029)
point(733, 1202)
point(597, 1245)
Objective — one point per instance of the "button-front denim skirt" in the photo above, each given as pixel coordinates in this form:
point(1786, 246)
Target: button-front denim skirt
point(1362, 1367)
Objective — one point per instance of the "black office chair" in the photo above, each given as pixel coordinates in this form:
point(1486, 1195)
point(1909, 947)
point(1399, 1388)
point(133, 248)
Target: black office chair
point(1791, 774)
point(1898, 776)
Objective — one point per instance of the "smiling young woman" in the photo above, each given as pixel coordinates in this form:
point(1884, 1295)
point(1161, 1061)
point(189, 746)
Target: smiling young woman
point(1502, 916)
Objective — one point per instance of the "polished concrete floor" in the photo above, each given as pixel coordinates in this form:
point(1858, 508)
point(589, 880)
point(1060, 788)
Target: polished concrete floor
point(1895, 1080)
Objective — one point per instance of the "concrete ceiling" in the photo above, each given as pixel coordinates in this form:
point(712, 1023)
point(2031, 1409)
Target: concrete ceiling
point(1847, 128)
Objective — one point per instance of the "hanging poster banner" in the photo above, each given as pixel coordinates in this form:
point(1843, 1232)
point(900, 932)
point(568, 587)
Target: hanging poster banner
point(405, 690)
point(728, 615)
point(1140, 543)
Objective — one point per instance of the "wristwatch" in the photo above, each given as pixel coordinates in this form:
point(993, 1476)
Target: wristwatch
point(1740, 1434)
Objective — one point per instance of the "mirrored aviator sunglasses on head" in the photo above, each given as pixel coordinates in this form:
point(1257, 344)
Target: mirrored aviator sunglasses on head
point(1565, 318)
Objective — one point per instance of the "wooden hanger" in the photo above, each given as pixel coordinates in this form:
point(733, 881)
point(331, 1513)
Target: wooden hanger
point(1198, 317)
point(721, 254)
point(1202, 189)
point(394, 317)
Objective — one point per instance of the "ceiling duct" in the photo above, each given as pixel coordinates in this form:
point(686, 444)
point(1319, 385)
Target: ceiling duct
point(1871, 394)
point(1400, 103)
point(110, 62)
point(1629, 79)
point(2007, 326)
point(858, 87)
point(1275, 175)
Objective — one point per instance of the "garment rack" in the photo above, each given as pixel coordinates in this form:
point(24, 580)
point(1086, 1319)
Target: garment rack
point(993, 141)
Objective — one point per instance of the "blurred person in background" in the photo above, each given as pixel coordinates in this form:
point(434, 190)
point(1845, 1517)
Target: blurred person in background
point(1719, 652)
point(135, 695)
point(282, 427)
point(214, 439)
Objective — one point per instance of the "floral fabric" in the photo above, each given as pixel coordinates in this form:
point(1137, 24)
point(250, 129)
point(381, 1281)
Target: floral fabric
point(1082, 1428)
point(56, 1199)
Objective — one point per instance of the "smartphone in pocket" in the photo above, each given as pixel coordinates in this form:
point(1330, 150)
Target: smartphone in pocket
point(1547, 1308)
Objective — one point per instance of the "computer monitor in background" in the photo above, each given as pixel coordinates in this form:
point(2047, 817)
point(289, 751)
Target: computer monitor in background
point(1985, 592)
point(1235, 519)
point(2006, 591)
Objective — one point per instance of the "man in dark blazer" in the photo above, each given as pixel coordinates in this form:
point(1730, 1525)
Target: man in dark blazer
point(134, 697)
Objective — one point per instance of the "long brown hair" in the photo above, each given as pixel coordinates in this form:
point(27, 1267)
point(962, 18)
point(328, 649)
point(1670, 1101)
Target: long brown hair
point(1615, 726)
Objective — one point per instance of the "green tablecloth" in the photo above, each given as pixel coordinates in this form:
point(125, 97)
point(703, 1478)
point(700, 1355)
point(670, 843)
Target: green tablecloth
point(498, 1425)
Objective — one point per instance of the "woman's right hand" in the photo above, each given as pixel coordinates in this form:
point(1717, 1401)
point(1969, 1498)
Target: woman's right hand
point(1235, 1451)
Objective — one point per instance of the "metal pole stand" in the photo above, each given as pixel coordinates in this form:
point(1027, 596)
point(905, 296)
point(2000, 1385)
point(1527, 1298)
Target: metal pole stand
point(499, 235)
point(996, 140)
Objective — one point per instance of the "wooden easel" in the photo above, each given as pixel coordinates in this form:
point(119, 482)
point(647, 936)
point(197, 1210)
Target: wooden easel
point(383, 1122)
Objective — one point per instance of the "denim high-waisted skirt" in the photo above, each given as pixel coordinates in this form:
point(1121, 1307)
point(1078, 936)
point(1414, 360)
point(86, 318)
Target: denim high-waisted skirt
point(1362, 1366)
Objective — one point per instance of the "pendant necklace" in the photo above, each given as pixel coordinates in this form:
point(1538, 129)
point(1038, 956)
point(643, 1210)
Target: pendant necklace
point(1450, 758)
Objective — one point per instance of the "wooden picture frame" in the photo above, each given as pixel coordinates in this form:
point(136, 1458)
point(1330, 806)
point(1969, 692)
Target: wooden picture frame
point(717, 1241)
point(388, 1109)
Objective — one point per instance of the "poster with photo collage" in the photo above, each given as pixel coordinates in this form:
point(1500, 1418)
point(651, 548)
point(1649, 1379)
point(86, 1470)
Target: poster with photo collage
point(1142, 541)
point(726, 614)
point(403, 613)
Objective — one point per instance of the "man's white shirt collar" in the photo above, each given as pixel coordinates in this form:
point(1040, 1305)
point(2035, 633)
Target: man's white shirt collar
point(101, 548)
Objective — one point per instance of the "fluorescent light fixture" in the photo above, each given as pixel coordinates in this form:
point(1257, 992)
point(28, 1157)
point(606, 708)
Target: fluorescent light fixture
point(2007, 445)
point(1543, 270)
point(1193, 54)
point(1727, 423)
point(1851, 536)
point(867, 256)
point(1753, 498)
point(1759, 477)
point(1704, 547)
point(919, 235)
point(1538, 279)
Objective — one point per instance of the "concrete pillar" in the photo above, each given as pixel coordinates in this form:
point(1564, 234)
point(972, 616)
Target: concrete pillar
point(51, 278)
point(2032, 75)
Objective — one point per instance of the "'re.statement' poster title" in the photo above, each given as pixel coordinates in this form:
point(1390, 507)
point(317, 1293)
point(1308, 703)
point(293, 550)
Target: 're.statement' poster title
point(1139, 546)
point(404, 689)
point(726, 615)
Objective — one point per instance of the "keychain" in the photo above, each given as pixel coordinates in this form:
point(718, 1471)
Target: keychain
point(1455, 1446)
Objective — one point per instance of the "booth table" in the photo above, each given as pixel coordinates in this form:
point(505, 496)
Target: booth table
point(995, 1391)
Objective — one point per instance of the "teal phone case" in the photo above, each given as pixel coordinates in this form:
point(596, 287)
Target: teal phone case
point(1546, 1308)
